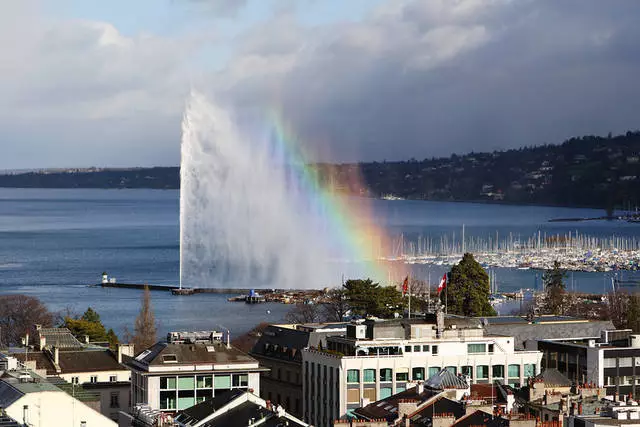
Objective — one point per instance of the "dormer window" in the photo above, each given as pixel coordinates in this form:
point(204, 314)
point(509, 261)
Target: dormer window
point(169, 358)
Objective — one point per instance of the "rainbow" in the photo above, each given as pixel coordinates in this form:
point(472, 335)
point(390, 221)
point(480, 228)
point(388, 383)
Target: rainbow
point(352, 225)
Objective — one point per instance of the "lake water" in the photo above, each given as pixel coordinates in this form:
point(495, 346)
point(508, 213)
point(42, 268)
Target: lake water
point(53, 243)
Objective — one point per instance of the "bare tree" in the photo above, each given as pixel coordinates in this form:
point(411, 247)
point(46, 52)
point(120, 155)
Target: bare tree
point(145, 328)
point(336, 305)
point(304, 313)
point(18, 314)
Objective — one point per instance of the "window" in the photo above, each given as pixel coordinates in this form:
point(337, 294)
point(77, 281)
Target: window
point(353, 395)
point(240, 380)
point(167, 399)
point(93, 379)
point(369, 376)
point(476, 348)
point(115, 400)
point(186, 383)
point(221, 382)
point(425, 348)
point(625, 362)
point(417, 374)
point(402, 376)
point(169, 358)
point(167, 383)
point(491, 348)
point(353, 376)
point(407, 349)
point(113, 378)
point(452, 369)
point(497, 371)
point(369, 393)
point(186, 399)
point(482, 372)
point(75, 380)
point(609, 362)
point(433, 370)
point(529, 370)
point(385, 392)
point(434, 349)
point(514, 371)
point(204, 381)
point(416, 348)
point(386, 374)
point(467, 370)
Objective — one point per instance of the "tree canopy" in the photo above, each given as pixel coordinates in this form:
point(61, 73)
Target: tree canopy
point(467, 292)
point(145, 327)
point(554, 287)
point(18, 314)
point(368, 298)
point(89, 324)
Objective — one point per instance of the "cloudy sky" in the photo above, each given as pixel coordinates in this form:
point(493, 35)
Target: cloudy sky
point(104, 83)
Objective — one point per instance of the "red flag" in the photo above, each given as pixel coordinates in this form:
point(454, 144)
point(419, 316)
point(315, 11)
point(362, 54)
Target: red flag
point(443, 283)
point(405, 286)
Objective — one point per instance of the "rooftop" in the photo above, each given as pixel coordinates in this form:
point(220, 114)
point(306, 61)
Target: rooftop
point(388, 408)
point(172, 354)
point(237, 408)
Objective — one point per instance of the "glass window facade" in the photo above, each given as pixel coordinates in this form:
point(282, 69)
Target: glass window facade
point(482, 372)
point(402, 376)
point(498, 371)
point(353, 376)
point(417, 374)
point(434, 349)
point(529, 369)
point(385, 392)
point(514, 371)
point(386, 374)
point(476, 348)
point(433, 370)
point(425, 348)
point(452, 369)
point(369, 376)
point(222, 381)
point(467, 370)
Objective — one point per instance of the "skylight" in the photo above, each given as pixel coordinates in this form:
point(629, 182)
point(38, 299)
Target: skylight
point(143, 354)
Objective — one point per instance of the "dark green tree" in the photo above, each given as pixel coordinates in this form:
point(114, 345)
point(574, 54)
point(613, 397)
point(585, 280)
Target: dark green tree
point(633, 313)
point(89, 324)
point(368, 298)
point(468, 289)
point(337, 305)
point(554, 287)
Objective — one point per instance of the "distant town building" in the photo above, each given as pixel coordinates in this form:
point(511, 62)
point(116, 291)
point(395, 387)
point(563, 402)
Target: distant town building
point(280, 350)
point(377, 359)
point(189, 368)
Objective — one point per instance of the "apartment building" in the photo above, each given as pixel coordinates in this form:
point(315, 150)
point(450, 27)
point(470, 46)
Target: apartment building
point(189, 368)
point(377, 359)
point(611, 360)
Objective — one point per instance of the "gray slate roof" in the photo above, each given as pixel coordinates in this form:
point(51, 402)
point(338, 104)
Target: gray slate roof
point(553, 378)
point(446, 380)
point(61, 338)
point(543, 328)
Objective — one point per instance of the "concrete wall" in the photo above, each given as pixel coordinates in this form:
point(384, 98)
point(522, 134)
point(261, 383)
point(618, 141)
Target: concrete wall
point(103, 376)
point(55, 409)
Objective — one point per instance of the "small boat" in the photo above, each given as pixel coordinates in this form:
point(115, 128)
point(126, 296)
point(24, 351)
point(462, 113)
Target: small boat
point(254, 297)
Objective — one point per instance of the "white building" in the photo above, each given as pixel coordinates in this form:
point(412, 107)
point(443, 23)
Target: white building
point(58, 355)
point(188, 369)
point(377, 359)
point(33, 401)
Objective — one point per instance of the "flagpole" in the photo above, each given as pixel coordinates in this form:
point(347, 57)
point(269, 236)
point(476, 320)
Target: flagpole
point(429, 292)
point(409, 289)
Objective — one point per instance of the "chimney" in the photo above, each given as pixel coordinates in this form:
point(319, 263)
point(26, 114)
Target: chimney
point(579, 408)
point(43, 342)
point(86, 339)
point(228, 339)
point(56, 356)
point(572, 411)
point(406, 407)
point(124, 350)
point(419, 387)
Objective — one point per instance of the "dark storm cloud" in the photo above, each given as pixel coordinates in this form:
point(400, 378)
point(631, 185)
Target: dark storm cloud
point(423, 78)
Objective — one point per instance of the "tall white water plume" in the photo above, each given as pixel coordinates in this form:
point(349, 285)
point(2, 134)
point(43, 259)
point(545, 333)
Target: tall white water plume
point(244, 221)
